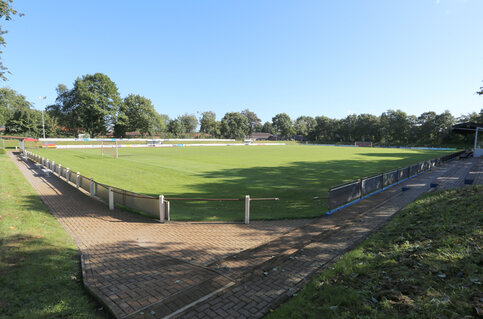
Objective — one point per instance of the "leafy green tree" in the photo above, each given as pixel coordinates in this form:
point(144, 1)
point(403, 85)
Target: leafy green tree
point(7, 12)
point(27, 121)
point(96, 100)
point(252, 119)
point(65, 111)
point(305, 126)
point(175, 127)
point(140, 113)
point(162, 121)
point(283, 125)
point(326, 130)
point(444, 127)
point(11, 101)
point(268, 128)
point(208, 124)
point(234, 125)
point(396, 127)
point(189, 122)
point(367, 128)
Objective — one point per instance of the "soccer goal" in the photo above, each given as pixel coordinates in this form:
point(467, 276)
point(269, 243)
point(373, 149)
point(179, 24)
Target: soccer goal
point(363, 144)
point(109, 149)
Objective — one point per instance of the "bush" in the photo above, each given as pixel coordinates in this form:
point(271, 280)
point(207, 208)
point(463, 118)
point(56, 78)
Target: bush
point(3, 151)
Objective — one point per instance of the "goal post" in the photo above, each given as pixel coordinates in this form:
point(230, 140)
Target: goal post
point(110, 149)
point(363, 144)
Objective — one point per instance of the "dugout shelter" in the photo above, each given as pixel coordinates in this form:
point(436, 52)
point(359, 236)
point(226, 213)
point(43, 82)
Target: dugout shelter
point(472, 128)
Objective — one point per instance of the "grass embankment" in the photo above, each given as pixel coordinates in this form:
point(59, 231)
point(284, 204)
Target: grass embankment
point(40, 275)
point(426, 263)
point(293, 173)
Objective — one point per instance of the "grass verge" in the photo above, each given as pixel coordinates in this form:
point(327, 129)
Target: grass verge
point(40, 275)
point(426, 263)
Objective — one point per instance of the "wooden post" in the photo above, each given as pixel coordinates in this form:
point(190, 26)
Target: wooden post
point(77, 180)
point(161, 208)
point(247, 209)
point(59, 170)
point(111, 199)
point(67, 174)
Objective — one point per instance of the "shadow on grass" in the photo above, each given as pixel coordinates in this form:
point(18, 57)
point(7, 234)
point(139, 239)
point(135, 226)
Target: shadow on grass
point(41, 280)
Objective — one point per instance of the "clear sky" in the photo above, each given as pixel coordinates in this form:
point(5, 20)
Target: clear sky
point(304, 57)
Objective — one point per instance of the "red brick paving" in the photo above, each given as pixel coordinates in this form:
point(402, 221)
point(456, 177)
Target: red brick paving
point(143, 269)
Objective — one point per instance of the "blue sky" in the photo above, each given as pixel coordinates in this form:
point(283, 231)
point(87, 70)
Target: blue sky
point(305, 57)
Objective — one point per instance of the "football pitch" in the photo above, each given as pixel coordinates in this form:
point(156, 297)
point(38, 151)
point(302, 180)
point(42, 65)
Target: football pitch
point(294, 173)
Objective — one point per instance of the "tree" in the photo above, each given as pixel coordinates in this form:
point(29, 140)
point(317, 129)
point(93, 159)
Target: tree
point(234, 125)
point(396, 127)
point(480, 92)
point(140, 114)
point(305, 126)
point(268, 128)
point(208, 124)
point(326, 129)
point(96, 101)
point(162, 121)
point(367, 128)
point(11, 101)
point(252, 119)
point(283, 125)
point(189, 122)
point(7, 12)
point(175, 127)
point(64, 111)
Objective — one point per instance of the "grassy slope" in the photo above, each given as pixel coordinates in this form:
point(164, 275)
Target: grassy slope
point(293, 173)
point(39, 263)
point(426, 263)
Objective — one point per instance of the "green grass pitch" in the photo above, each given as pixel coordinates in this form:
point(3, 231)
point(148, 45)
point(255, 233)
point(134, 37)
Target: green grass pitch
point(293, 173)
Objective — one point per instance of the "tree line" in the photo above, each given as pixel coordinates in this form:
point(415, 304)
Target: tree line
point(93, 106)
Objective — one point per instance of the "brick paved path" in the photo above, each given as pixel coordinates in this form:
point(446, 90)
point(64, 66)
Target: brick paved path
point(143, 269)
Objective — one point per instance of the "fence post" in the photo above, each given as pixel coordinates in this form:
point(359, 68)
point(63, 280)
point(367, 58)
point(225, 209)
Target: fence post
point(59, 170)
point(67, 174)
point(111, 199)
point(168, 214)
point(247, 209)
point(92, 188)
point(77, 180)
point(161, 208)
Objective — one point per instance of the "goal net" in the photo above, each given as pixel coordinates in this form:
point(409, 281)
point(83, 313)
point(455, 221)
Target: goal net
point(363, 144)
point(109, 149)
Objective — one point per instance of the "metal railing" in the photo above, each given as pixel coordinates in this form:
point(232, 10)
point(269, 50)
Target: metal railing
point(345, 193)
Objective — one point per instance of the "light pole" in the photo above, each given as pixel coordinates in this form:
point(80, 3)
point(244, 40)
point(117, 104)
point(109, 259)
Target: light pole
point(41, 104)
